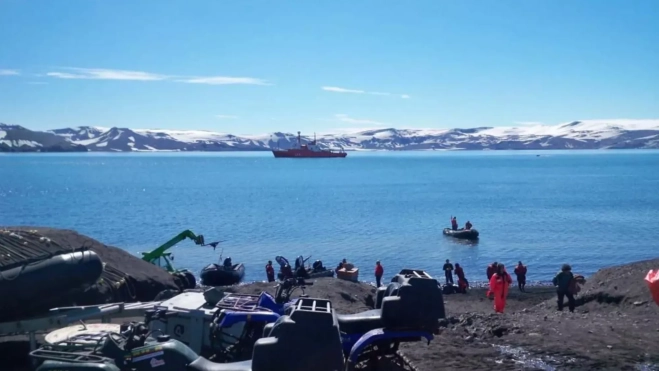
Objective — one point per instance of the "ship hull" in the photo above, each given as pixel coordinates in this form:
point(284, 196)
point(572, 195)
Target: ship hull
point(307, 154)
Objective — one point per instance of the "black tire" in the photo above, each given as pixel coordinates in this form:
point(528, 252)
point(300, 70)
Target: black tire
point(191, 280)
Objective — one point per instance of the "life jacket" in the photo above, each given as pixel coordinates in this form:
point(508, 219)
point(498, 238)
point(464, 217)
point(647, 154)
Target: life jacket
point(379, 270)
point(500, 283)
point(520, 270)
point(269, 269)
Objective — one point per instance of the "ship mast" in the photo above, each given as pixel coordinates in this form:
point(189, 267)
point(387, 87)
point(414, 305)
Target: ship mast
point(299, 139)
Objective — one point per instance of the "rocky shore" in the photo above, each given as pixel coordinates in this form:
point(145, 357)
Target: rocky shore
point(614, 327)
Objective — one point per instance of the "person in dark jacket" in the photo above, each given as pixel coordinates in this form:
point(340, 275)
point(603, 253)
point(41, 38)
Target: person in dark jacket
point(454, 223)
point(448, 272)
point(563, 281)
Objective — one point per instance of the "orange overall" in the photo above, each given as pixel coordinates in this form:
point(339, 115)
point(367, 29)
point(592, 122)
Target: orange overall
point(499, 287)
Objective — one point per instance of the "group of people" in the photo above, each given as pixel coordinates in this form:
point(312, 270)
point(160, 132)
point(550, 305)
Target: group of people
point(499, 280)
point(454, 224)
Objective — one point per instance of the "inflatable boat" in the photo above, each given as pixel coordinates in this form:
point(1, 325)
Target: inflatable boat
point(218, 275)
point(467, 234)
point(317, 269)
point(39, 283)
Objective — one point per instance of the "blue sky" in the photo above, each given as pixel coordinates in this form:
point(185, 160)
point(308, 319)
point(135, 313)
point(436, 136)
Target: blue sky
point(260, 66)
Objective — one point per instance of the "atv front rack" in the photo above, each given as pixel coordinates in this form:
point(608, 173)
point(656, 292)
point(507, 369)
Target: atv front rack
point(239, 302)
point(54, 355)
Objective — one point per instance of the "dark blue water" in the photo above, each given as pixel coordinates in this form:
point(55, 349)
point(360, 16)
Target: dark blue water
point(591, 209)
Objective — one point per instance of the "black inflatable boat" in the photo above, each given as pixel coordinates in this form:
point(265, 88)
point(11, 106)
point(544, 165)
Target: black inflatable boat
point(467, 234)
point(49, 281)
point(218, 275)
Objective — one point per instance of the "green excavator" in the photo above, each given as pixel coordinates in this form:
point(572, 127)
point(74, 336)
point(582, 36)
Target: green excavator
point(162, 258)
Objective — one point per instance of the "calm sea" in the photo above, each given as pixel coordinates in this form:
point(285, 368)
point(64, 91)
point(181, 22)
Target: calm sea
point(590, 208)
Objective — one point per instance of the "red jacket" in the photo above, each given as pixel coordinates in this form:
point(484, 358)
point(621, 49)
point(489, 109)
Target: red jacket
point(269, 269)
point(379, 270)
point(520, 270)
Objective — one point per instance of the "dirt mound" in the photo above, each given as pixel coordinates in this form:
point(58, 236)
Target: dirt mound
point(347, 297)
point(126, 277)
point(620, 287)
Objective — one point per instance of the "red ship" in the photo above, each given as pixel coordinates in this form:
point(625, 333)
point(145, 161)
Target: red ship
point(311, 150)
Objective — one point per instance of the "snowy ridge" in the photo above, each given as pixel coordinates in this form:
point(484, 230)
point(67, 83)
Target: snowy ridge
point(586, 134)
point(15, 138)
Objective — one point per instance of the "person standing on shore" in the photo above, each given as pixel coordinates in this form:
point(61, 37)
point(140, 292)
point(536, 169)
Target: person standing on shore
point(270, 271)
point(462, 280)
point(499, 285)
point(520, 272)
point(379, 271)
point(448, 272)
point(491, 269)
point(563, 282)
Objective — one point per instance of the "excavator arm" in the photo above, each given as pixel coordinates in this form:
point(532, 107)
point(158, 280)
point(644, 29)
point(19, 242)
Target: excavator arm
point(160, 252)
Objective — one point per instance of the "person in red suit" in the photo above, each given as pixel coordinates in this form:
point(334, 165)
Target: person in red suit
point(463, 284)
point(379, 271)
point(499, 285)
point(491, 269)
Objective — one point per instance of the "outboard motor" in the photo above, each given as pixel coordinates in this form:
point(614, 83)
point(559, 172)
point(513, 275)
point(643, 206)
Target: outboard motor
point(299, 262)
point(318, 266)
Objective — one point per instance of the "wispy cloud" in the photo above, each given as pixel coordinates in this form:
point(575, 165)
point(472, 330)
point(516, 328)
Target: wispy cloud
point(224, 80)
point(342, 90)
point(345, 118)
point(106, 74)
point(110, 74)
point(226, 117)
point(336, 89)
point(9, 72)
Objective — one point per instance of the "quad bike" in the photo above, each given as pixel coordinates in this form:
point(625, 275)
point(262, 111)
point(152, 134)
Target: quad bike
point(407, 310)
point(240, 319)
point(306, 338)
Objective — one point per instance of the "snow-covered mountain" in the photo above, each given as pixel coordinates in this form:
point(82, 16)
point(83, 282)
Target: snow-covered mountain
point(587, 134)
point(15, 138)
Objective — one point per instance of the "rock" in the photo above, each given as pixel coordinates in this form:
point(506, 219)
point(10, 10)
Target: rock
point(639, 303)
point(609, 346)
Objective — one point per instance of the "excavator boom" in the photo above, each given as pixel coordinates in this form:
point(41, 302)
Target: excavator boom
point(159, 252)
